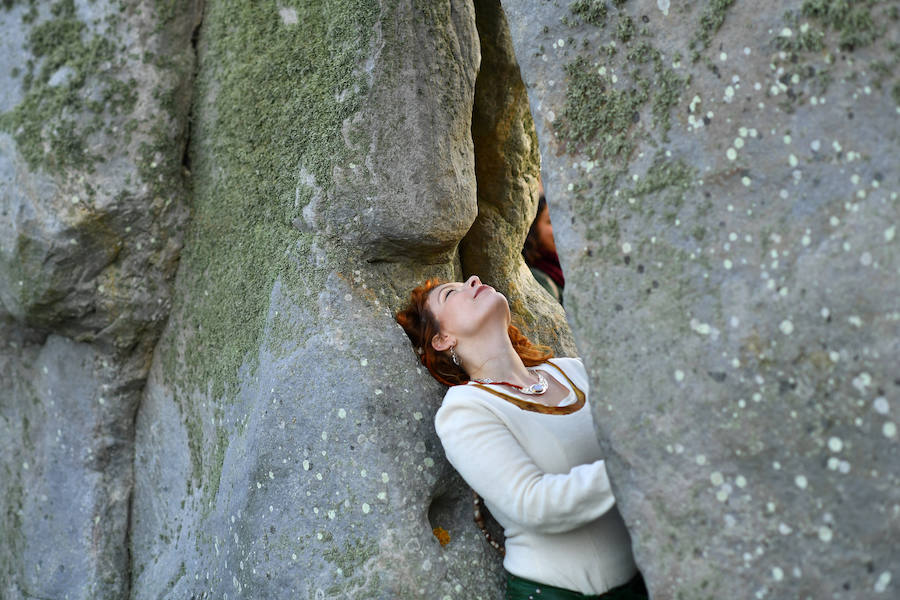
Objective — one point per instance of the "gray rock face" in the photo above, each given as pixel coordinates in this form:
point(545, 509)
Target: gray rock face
point(723, 181)
point(93, 118)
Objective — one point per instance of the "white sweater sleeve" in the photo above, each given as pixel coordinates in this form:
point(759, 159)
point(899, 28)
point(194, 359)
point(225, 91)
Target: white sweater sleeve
point(490, 459)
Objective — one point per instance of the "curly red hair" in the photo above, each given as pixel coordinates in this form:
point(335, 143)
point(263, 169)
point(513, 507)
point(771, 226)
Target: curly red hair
point(421, 326)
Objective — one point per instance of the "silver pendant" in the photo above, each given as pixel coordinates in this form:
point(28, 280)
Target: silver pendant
point(535, 389)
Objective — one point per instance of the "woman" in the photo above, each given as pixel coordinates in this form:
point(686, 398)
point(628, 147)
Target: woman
point(516, 425)
point(539, 252)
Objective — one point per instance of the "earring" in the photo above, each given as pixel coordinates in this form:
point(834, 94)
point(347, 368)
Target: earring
point(454, 356)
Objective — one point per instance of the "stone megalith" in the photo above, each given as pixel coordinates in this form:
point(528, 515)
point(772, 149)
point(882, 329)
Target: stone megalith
point(285, 444)
point(93, 120)
point(724, 186)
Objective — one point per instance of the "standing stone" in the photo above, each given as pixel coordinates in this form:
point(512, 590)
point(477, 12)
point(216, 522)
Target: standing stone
point(507, 167)
point(93, 118)
point(285, 443)
point(724, 188)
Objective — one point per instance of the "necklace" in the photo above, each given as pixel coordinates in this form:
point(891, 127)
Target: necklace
point(535, 389)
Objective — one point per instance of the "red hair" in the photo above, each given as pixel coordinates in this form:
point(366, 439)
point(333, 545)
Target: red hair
point(421, 326)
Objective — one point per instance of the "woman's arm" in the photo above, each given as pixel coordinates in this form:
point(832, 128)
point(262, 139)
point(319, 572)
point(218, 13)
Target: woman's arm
point(487, 455)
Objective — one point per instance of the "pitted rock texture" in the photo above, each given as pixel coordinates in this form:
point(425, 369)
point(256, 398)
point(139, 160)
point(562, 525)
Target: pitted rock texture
point(93, 122)
point(724, 189)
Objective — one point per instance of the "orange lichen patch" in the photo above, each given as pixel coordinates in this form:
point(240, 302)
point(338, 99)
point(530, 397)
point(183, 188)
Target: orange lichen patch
point(442, 535)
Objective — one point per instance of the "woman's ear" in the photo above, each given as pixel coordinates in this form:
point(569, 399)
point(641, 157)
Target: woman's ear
point(442, 341)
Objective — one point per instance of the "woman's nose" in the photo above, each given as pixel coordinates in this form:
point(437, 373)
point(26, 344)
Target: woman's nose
point(473, 281)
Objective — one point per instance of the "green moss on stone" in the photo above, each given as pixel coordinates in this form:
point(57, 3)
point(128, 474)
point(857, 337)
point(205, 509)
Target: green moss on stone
point(69, 94)
point(641, 53)
point(675, 176)
point(667, 88)
point(594, 111)
point(272, 98)
point(852, 19)
point(599, 119)
point(710, 21)
point(590, 11)
point(625, 29)
point(802, 38)
point(353, 556)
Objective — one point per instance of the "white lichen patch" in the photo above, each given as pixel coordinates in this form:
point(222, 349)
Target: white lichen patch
point(288, 16)
point(889, 429)
point(786, 327)
point(701, 328)
point(882, 582)
point(862, 382)
point(801, 482)
point(881, 406)
point(835, 444)
point(825, 533)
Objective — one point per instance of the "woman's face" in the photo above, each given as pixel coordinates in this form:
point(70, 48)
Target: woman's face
point(544, 231)
point(463, 309)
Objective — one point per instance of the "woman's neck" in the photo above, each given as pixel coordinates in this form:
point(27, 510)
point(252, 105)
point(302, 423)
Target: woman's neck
point(500, 364)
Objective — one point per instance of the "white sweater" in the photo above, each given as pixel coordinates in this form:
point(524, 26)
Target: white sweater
point(542, 477)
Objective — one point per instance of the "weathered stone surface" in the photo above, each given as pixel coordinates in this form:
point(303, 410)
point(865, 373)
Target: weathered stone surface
point(507, 167)
point(65, 437)
point(724, 189)
point(285, 444)
point(93, 118)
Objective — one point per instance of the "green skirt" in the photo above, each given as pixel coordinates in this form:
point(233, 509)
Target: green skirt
point(518, 588)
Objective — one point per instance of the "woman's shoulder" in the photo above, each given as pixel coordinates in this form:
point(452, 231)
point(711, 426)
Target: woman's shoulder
point(569, 362)
point(466, 398)
point(464, 394)
point(573, 367)
point(465, 403)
